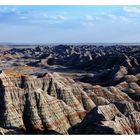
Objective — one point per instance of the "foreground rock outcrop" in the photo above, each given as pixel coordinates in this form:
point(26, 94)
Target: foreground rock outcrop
point(52, 104)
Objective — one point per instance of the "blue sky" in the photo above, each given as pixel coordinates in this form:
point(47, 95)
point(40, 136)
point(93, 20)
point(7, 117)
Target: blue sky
point(69, 24)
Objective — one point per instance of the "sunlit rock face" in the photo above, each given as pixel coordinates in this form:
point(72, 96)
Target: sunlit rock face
point(41, 104)
point(97, 91)
point(52, 104)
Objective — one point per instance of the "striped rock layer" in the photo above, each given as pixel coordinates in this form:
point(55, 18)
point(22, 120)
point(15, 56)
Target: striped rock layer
point(52, 104)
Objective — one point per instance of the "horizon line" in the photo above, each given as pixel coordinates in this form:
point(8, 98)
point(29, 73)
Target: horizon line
point(31, 43)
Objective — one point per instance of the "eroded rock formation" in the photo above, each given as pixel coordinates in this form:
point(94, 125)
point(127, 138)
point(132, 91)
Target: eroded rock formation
point(104, 99)
point(57, 105)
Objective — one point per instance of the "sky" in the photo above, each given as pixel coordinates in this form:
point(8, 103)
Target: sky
point(70, 24)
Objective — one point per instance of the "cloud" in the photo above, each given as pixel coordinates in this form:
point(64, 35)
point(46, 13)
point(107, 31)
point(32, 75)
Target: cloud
point(56, 17)
point(88, 21)
point(113, 17)
point(131, 9)
point(41, 23)
point(10, 11)
point(87, 24)
point(11, 15)
point(105, 17)
point(23, 17)
point(89, 18)
point(119, 18)
point(7, 9)
point(48, 19)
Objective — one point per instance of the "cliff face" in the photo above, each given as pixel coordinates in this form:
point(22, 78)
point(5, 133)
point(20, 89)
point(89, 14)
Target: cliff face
point(40, 104)
point(52, 104)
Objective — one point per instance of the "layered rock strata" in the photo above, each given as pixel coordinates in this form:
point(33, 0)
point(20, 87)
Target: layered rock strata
point(52, 104)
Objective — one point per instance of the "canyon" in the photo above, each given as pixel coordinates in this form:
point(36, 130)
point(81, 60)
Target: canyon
point(70, 89)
